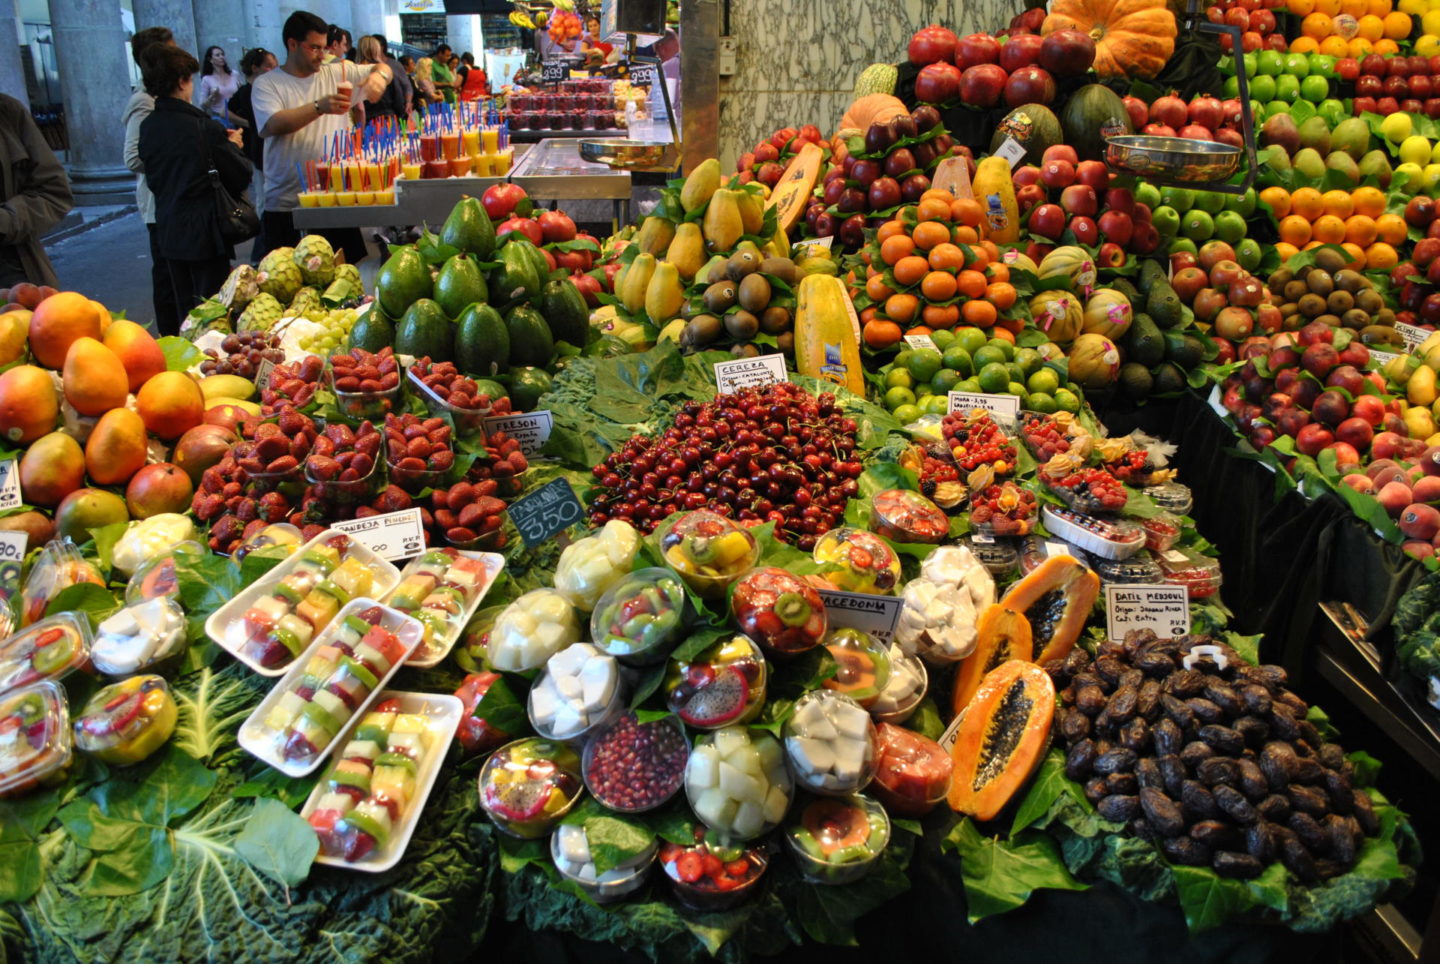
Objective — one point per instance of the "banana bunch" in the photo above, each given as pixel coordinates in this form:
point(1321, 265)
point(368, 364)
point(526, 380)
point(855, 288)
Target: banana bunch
point(521, 19)
point(568, 5)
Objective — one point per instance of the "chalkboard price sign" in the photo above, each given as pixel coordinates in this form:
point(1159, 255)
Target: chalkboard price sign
point(553, 71)
point(548, 510)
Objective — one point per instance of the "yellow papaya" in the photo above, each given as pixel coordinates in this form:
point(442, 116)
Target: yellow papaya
point(752, 211)
point(722, 224)
point(637, 280)
point(655, 235)
point(687, 251)
point(995, 190)
point(664, 295)
point(827, 343)
point(700, 186)
point(1421, 389)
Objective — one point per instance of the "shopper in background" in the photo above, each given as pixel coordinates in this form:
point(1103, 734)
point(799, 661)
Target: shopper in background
point(441, 74)
point(179, 146)
point(218, 84)
point(337, 43)
point(162, 292)
point(256, 62)
point(592, 38)
point(475, 84)
point(34, 196)
point(400, 72)
point(299, 109)
point(424, 77)
point(392, 101)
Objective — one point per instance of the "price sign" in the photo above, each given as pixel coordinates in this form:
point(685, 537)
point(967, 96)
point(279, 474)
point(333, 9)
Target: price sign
point(262, 375)
point(550, 509)
point(13, 545)
point(741, 373)
point(826, 243)
point(1011, 151)
point(9, 485)
point(395, 535)
point(921, 341)
point(1054, 547)
point(642, 74)
point(1413, 336)
point(1163, 609)
point(876, 615)
point(553, 71)
point(1005, 407)
point(951, 735)
point(531, 430)
point(1379, 359)
point(953, 175)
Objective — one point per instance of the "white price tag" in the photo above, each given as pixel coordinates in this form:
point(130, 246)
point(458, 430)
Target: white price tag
point(1379, 359)
point(10, 484)
point(953, 175)
point(531, 430)
point(982, 538)
point(1054, 547)
point(1005, 407)
point(1012, 151)
point(951, 736)
point(1174, 555)
point(262, 375)
point(395, 535)
point(826, 243)
point(921, 341)
point(876, 615)
point(741, 373)
point(1413, 336)
point(13, 544)
point(1165, 610)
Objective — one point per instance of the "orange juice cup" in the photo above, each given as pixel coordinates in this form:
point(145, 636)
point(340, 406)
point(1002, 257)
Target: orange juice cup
point(411, 172)
point(365, 197)
point(337, 177)
point(483, 166)
point(472, 142)
point(309, 199)
point(386, 196)
point(326, 199)
point(374, 176)
point(490, 137)
point(345, 199)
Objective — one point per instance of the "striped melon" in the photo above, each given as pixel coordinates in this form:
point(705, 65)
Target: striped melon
point(876, 79)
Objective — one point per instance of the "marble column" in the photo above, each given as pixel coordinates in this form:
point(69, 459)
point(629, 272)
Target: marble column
point(366, 17)
point(219, 24)
point(262, 26)
point(12, 69)
point(178, 15)
point(90, 42)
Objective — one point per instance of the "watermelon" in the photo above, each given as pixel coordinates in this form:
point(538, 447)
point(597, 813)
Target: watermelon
point(1032, 126)
point(1094, 113)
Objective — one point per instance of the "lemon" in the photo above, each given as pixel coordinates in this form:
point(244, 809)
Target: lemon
point(1397, 127)
point(1415, 150)
point(1408, 178)
point(1429, 44)
point(1435, 153)
point(1414, 8)
point(1430, 178)
point(1429, 24)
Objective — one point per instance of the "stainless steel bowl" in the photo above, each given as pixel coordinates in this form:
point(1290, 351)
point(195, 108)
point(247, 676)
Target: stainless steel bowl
point(1176, 158)
point(630, 155)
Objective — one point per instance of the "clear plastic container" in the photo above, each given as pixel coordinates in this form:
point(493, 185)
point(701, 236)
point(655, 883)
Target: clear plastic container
point(578, 690)
point(1119, 539)
point(642, 617)
point(155, 578)
point(570, 851)
point(836, 840)
point(591, 565)
point(1033, 554)
point(737, 782)
point(528, 785)
point(709, 551)
point(441, 589)
point(631, 766)
point(901, 515)
point(830, 743)
point(1199, 574)
point(468, 422)
point(356, 407)
point(862, 665)
point(1161, 531)
point(726, 880)
point(1139, 570)
point(723, 684)
point(779, 610)
point(908, 683)
point(265, 482)
point(912, 772)
point(145, 636)
point(866, 562)
point(530, 630)
point(125, 722)
point(998, 556)
point(1172, 496)
point(351, 491)
point(51, 649)
point(36, 746)
point(1003, 509)
point(58, 567)
point(277, 537)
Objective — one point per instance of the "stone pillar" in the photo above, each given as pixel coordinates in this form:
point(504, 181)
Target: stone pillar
point(90, 43)
point(262, 26)
point(178, 15)
point(12, 69)
point(366, 17)
point(219, 24)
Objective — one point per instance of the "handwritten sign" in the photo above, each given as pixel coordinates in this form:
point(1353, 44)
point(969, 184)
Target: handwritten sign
point(1012, 151)
point(876, 615)
point(552, 71)
point(531, 430)
point(953, 175)
point(741, 373)
point(1004, 407)
point(921, 341)
point(1413, 336)
point(826, 243)
point(1379, 359)
point(548, 510)
point(642, 75)
point(394, 535)
point(1165, 610)
point(13, 545)
point(262, 375)
point(951, 736)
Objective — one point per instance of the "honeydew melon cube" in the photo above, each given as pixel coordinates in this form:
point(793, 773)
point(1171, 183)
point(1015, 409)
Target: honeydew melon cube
point(739, 785)
point(569, 687)
point(849, 758)
point(597, 680)
point(814, 756)
point(747, 760)
point(567, 721)
point(729, 739)
point(777, 801)
point(542, 703)
point(771, 754)
point(703, 768)
point(749, 819)
point(715, 808)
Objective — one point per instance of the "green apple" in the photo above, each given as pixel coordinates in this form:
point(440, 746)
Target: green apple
point(1297, 65)
point(1248, 253)
point(1166, 220)
point(1315, 89)
point(1269, 63)
point(1262, 88)
point(1229, 227)
point(1242, 204)
point(1287, 88)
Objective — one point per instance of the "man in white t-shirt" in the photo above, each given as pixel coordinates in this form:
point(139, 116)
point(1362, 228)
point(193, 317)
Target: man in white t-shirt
point(298, 110)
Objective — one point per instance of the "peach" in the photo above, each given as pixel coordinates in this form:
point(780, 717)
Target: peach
point(1420, 521)
point(1358, 482)
point(1395, 497)
point(1418, 549)
point(1427, 489)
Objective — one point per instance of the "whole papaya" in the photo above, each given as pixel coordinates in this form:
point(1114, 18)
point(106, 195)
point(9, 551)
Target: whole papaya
point(687, 251)
point(637, 282)
point(664, 295)
point(722, 223)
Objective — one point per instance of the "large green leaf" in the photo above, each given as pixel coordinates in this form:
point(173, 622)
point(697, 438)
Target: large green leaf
point(278, 842)
point(1000, 875)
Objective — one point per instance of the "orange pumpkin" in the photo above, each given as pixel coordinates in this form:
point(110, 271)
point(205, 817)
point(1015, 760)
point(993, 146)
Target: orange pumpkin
point(1133, 38)
point(871, 109)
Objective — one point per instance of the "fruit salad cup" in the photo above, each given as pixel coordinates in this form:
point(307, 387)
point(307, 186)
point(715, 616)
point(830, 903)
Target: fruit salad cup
point(578, 690)
point(737, 783)
point(631, 766)
point(908, 683)
point(51, 649)
point(145, 636)
point(866, 562)
point(476, 735)
point(912, 772)
point(532, 629)
point(641, 618)
point(570, 850)
point(125, 722)
point(901, 515)
point(722, 685)
point(713, 874)
point(779, 610)
point(862, 665)
point(156, 578)
point(590, 566)
point(528, 785)
point(35, 741)
point(709, 552)
point(836, 840)
point(830, 743)
point(441, 588)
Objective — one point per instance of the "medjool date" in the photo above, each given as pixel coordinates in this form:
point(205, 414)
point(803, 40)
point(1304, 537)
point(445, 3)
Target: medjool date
point(1365, 813)
point(1195, 753)
point(1135, 735)
point(1147, 706)
point(1228, 863)
point(1080, 759)
point(1222, 695)
point(1074, 726)
point(1283, 724)
point(1122, 783)
point(1140, 827)
point(1147, 771)
point(1274, 808)
point(1253, 730)
point(1260, 841)
point(1122, 704)
point(1337, 791)
point(1096, 789)
point(1162, 812)
point(1180, 712)
point(1167, 737)
point(1187, 851)
point(1172, 773)
point(1255, 698)
point(1331, 755)
point(1222, 739)
point(1118, 808)
point(1307, 770)
point(1218, 770)
point(1055, 669)
point(1234, 805)
point(1155, 664)
point(1214, 833)
point(1109, 669)
point(1277, 762)
point(1132, 677)
point(1343, 845)
point(1294, 702)
point(1297, 859)
point(1198, 802)
point(1090, 700)
point(1252, 781)
point(1118, 760)
point(1311, 834)
point(1076, 662)
point(1307, 800)
point(1204, 710)
point(1185, 683)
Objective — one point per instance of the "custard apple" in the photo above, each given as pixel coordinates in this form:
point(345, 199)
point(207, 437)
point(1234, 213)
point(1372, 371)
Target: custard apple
point(280, 275)
point(306, 299)
point(240, 288)
point(346, 286)
point(262, 313)
point(316, 260)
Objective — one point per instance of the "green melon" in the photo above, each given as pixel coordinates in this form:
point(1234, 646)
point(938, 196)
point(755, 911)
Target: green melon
point(1032, 126)
point(1094, 113)
point(876, 79)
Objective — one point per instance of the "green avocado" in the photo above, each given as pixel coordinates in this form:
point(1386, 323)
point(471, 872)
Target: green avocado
point(1162, 304)
point(469, 228)
point(1135, 381)
point(530, 340)
point(1144, 343)
point(424, 332)
point(373, 331)
point(482, 342)
point(403, 279)
point(563, 308)
point(459, 285)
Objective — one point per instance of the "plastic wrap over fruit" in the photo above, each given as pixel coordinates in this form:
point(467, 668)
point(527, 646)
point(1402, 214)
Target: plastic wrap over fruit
point(148, 538)
point(532, 629)
point(58, 567)
point(943, 606)
point(595, 563)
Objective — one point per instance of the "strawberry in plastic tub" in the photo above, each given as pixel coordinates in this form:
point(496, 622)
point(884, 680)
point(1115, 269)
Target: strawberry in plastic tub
point(779, 610)
point(864, 562)
point(830, 743)
point(641, 618)
point(713, 873)
point(912, 772)
point(532, 629)
point(35, 741)
point(722, 685)
point(50, 649)
point(862, 665)
point(593, 564)
point(736, 781)
point(837, 840)
point(528, 785)
point(477, 735)
point(125, 722)
point(709, 551)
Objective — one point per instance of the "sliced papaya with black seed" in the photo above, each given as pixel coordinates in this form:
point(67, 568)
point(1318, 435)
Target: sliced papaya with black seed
point(1056, 599)
point(1003, 737)
point(1002, 635)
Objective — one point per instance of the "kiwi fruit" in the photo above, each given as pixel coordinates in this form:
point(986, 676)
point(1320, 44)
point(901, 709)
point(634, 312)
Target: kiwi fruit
point(1279, 278)
point(1332, 321)
point(1312, 305)
point(782, 268)
point(754, 293)
point(720, 297)
point(785, 341)
point(718, 272)
point(701, 331)
point(1355, 318)
point(741, 264)
point(747, 350)
point(1294, 290)
point(1350, 280)
point(742, 325)
point(1289, 308)
point(1340, 301)
point(774, 320)
point(1385, 316)
point(1329, 260)
point(1369, 301)
point(1320, 283)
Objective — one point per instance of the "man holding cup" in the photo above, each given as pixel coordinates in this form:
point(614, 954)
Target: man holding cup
point(298, 110)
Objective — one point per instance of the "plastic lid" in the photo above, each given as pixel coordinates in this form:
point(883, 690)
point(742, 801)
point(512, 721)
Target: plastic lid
point(631, 766)
point(50, 649)
point(35, 738)
point(530, 783)
point(641, 618)
point(1175, 496)
point(908, 516)
point(156, 577)
point(1140, 569)
point(135, 715)
point(139, 636)
point(865, 562)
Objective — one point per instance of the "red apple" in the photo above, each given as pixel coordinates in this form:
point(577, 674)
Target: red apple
point(1047, 221)
point(1094, 174)
point(931, 44)
point(1117, 227)
point(983, 84)
point(1085, 229)
point(1111, 255)
point(1080, 199)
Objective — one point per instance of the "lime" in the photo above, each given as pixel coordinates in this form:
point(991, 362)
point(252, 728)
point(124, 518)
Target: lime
point(1287, 88)
point(1248, 253)
point(1017, 374)
point(1179, 198)
point(1244, 204)
point(1251, 62)
point(936, 405)
point(944, 381)
point(943, 338)
point(1268, 63)
point(987, 354)
point(1322, 65)
point(1297, 65)
point(899, 396)
point(1041, 402)
point(1314, 89)
point(1196, 225)
point(1231, 87)
point(906, 414)
point(1262, 88)
point(958, 359)
point(1332, 110)
point(1016, 389)
point(1182, 244)
point(1067, 401)
point(924, 363)
point(902, 359)
point(899, 378)
point(1229, 226)
point(994, 378)
point(971, 338)
point(1043, 382)
point(970, 385)
point(923, 390)
point(1166, 220)
point(1028, 359)
point(1006, 348)
point(1211, 202)
point(1147, 194)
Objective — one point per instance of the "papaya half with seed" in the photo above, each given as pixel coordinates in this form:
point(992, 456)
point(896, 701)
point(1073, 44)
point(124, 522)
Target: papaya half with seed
point(1002, 635)
point(1056, 598)
point(1004, 735)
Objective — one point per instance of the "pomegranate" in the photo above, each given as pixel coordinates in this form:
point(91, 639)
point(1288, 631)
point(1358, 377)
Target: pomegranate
point(1169, 111)
point(932, 44)
point(1138, 110)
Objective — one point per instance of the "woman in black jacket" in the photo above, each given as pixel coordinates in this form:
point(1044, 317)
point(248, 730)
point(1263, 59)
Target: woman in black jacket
point(179, 145)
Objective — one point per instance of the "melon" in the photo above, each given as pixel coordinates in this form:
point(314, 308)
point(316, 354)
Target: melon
point(1108, 313)
point(1058, 314)
point(1094, 113)
point(1032, 126)
point(1094, 361)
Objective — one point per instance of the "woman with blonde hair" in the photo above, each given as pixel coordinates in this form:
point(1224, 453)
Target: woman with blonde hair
point(392, 101)
point(425, 80)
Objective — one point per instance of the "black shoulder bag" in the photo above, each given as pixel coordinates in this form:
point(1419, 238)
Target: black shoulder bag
point(236, 217)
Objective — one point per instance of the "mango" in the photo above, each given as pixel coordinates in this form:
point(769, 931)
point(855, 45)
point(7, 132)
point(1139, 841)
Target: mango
point(1420, 389)
point(28, 403)
point(137, 350)
point(687, 250)
point(225, 386)
point(51, 468)
point(700, 186)
point(86, 509)
point(14, 331)
point(37, 525)
point(665, 295)
point(245, 405)
point(58, 322)
point(116, 448)
point(170, 403)
point(95, 380)
point(722, 223)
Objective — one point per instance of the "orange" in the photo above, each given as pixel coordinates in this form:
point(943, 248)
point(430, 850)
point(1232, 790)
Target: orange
point(987, 252)
point(1386, 47)
point(1317, 25)
point(1355, 8)
point(1397, 25)
point(972, 283)
point(1369, 201)
point(895, 247)
point(1307, 202)
point(910, 269)
point(1359, 47)
point(1357, 255)
point(1328, 229)
point(928, 234)
point(920, 330)
point(1371, 28)
point(939, 194)
point(967, 210)
point(997, 271)
point(940, 316)
point(1338, 203)
point(1295, 230)
point(981, 314)
point(1328, 7)
point(881, 334)
point(1378, 7)
point(1308, 45)
point(938, 286)
point(1285, 250)
point(1277, 199)
point(1392, 229)
point(889, 230)
point(933, 209)
point(1312, 244)
point(902, 308)
point(964, 234)
point(1001, 294)
point(877, 289)
point(947, 257)
point(1300, 7)
point(1381, 256)
point(869, 314)
point(1360, 230)
point(1330, 46)
point(1008, 333)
